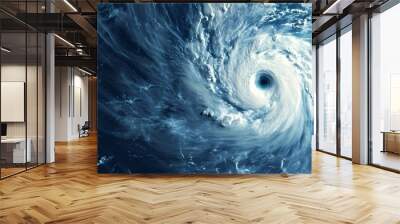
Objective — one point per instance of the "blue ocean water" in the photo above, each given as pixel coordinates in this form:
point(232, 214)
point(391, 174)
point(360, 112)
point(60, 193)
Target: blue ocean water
point(204, 88)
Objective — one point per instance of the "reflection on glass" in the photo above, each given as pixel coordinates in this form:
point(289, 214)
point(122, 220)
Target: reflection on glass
point(41, 98)
point(314, 94)
point(327, 97)
point(346, 94)
point(14, 153)
point(22, 91)
point(31, 101)
point(394, 101)
point(386, 89)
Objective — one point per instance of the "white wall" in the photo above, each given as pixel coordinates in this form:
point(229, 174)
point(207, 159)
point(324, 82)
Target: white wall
point(17, 73)
point(61, 103)
point(33, 127)
point(80, 110)
point(71, 102)
point(12, 73)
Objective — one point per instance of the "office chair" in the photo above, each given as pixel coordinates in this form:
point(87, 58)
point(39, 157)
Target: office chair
point(84, 130)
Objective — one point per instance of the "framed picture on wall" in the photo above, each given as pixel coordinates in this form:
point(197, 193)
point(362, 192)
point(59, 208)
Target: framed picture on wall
point(204, 88)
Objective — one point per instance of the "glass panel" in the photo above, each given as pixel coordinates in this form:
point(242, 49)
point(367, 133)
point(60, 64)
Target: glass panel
point(31, 88)
point(31, 100)
point(77, 110)
point(327, 96)
point(13, 86)
point(23, 90)
point(385, 89)
point(41, 99)
point(346, 94)
point(314, 82)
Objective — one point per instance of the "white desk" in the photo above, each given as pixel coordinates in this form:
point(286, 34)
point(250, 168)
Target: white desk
point(18, 144)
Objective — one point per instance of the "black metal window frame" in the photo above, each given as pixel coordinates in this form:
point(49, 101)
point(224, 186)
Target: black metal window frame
point(44, 101)
point(388, 5)
point(334, 37)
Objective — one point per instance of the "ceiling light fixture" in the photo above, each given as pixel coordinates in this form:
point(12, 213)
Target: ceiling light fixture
point(337, 7)
point(5, 50)
point(84, 71)
point(70, 5)
point(64, 40)
point(79, 51)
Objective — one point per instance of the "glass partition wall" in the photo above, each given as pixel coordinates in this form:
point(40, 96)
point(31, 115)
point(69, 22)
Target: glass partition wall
point(13, 89)
point(385, 90)
point(327, 95)
point(345, 62)
point(334, 93)
point(22, 90)
point(334, 116)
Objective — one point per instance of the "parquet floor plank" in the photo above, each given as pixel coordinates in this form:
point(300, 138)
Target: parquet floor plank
point(71, 191)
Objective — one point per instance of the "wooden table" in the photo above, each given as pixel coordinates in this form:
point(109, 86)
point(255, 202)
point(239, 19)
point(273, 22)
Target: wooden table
point(391, 141)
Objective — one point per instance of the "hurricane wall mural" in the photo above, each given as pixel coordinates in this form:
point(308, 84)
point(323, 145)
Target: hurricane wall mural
point(204, 88)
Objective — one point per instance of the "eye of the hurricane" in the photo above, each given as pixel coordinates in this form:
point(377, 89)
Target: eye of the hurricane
point(264, 80)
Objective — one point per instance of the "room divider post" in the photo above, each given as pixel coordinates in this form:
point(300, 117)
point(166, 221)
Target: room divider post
point(316, 97)
point(338, 82)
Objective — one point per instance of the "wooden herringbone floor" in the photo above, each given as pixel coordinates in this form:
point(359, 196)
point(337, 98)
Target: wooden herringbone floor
point(70, 191)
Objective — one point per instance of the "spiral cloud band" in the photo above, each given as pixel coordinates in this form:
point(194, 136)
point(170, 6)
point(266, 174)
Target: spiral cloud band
point(204, 88)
